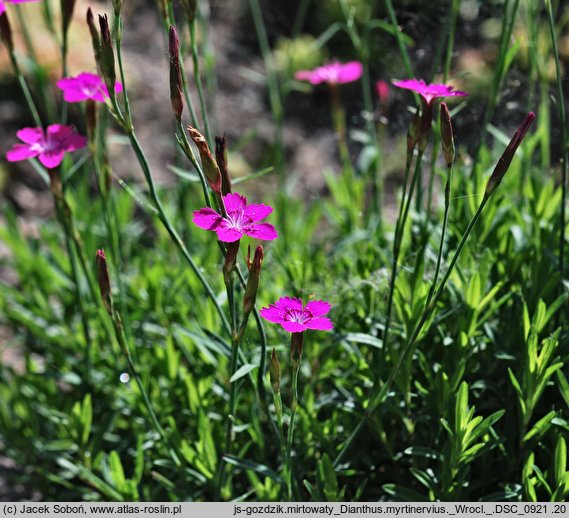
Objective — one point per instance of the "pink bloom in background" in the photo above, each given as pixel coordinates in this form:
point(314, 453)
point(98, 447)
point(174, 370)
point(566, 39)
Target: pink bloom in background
point(332, 73)
point(242, 219)
point(382, 89)
point(429, 92)
point(290, 313)
point(3, 2)
point(49, 147)
point(85, 86)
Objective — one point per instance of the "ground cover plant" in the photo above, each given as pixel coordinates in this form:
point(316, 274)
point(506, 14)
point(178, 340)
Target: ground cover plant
point(235, 337)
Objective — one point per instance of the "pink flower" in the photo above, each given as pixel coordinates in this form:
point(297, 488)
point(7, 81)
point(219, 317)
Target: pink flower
point(382, 89)
point(332, 73)
point(3, 7)
point(49, 147)
point(290, 313)
point(85, 86)
point(241, 219)
point(429, 92)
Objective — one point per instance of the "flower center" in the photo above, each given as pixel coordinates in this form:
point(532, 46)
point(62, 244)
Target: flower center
point(300, 316)
point(237, 219)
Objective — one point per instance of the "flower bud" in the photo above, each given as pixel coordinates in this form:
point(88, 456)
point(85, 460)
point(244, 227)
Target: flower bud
point(447, 136)
point(175, 74)
point(230, 260)
point(67, 8)
point(94, 38)
point(253, 282)
point(117, 6)
point(296, 343)
point(507, 156)
point(107, 61)
point(413, 132)
point(104, 280)
point(275, 372)
point(190, 8)
point(221, 158)
point(210, 167)
point(6, 32)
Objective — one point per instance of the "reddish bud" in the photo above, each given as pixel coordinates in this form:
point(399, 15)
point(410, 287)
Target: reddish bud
point(94, 37)
point(382, 89)
point(275, 371)
point(6, 32)
point(447, 135)
point(296, 343)
point(107, 58)
point(104, 280)
point(253, 282)
point(221, 158)
point(175, 74)
point(67, 8)
point(210, 167)
point(507, 156)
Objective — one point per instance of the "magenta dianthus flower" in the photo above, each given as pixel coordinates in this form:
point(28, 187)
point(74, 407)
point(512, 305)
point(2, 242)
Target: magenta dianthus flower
point(242, 219)
point(3, 2)
point(332, 73)
point(85, 86)
point(295, 318)
point(49, 147)
point(429, 92)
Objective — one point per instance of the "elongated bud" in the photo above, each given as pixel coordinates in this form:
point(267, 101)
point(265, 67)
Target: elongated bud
point(230, 260)
point(253, 282)
point(104, 280)
point(275, 372)
point(447, 135)
point(107, 62)
point(94, 38)
point(507, 156)
point(221, 158)
point(117, 6)
point(175, 73)
point(190, 8)
point(6, 32)
point(210, 167)
point(296, 343)
point(413, 132)
point(426, 123)
point(67, 8)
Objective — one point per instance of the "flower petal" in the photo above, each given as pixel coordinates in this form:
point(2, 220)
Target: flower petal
point(318, 307)
point(75, 142)
point(272, 314)
point(257, 212)
point(286, 303)
point(264, 231)
point(349, 72)
point(51, 159)
point(234, 201)
point(207, 218)
point(320, 324)
point(293, 327)
point(21, 152)
point(30, 135)
point(228, 234)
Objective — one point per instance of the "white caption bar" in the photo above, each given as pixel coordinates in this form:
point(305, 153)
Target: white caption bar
point(280, 510)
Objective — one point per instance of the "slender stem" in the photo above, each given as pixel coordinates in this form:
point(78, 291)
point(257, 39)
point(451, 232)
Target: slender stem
point(399, 229)
point(339, 119)
point(25, 90)
point(198, 81)
point(378, 395)
point(564, 143)
point(443, 232)
point(78, 295)
point(171, 231)
point(290, 435)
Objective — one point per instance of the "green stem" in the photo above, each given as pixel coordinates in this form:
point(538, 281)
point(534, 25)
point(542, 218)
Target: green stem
point(378, 394)
point(443, 232)
point(564, 143)
point(25, 90)
point(290, 435)
point(198, 81)
point(399, 229)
